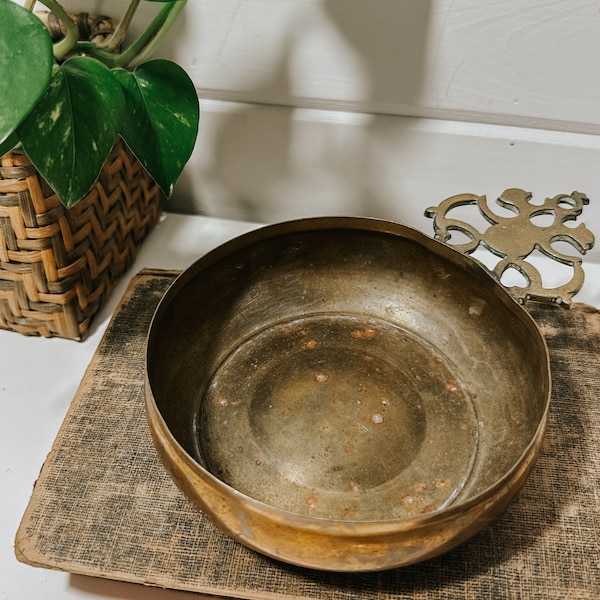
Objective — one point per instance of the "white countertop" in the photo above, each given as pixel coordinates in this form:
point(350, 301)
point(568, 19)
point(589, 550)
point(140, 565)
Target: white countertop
point(38, 379)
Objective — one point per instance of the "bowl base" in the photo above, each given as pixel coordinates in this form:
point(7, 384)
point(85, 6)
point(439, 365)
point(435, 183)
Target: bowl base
point(339, 416)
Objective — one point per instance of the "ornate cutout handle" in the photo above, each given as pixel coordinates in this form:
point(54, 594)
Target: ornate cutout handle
point(514, 238)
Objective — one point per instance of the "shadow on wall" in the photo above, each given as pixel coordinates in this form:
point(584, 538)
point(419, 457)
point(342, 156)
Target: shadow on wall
point(270, 161)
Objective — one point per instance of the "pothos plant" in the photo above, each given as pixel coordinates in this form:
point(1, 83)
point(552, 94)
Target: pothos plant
point(64, 103)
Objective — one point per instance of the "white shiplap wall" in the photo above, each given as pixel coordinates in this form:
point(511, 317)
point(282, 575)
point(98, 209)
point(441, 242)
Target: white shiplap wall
point(385, 107)
point(529, 62)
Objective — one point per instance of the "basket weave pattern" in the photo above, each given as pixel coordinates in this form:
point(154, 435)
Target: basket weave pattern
point(58, 265)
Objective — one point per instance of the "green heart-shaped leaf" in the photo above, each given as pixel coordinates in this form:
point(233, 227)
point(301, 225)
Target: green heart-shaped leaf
point(162, 123)
point(71, 131)
point(25, 66)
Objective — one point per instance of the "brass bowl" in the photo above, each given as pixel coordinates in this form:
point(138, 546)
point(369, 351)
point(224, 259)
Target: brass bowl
point(345, 394)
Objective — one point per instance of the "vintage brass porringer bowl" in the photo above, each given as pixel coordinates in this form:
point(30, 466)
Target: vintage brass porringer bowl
point(344, 393)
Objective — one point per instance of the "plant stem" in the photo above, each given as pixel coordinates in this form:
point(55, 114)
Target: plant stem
point(62, 48)
point(171, 14)
point(147, 42)
point(120, 32)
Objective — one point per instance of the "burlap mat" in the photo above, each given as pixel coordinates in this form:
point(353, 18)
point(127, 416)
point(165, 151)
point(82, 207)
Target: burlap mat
point(104, 506)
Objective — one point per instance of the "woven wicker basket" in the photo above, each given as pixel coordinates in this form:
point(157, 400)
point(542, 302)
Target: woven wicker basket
point(58, 265)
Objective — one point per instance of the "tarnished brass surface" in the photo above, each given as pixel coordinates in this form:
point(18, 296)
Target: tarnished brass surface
point(345, 394)
point(513, 239)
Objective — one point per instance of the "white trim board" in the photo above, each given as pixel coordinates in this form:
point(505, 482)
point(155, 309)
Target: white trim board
point(270, 163)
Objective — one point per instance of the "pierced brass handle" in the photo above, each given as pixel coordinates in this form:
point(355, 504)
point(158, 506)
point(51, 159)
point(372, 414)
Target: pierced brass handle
point(514, 238)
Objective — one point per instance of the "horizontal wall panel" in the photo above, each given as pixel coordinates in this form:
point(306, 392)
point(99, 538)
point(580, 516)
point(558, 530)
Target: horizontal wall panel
point(267, 163)
point(528, 62)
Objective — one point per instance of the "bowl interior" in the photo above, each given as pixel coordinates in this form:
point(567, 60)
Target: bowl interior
point(347, 370)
